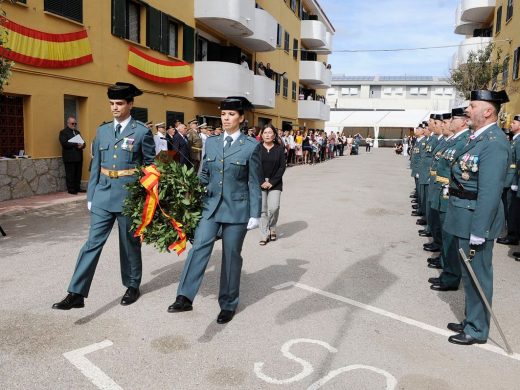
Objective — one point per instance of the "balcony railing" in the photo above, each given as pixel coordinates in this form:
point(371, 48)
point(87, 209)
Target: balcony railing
point(315, 74)
point(465, 28)
point(232, 18)
point(313, 34)
point(314, 110)
point(479, 11)
point(263, 92)
point(264, 33)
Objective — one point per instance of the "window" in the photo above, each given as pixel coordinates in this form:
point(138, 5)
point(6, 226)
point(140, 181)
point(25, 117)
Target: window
point(516, 58)
point(277, 83)
point(439, 91)
point(509, 13)
point(134, 22)
point(498, 26)
point(423, 91)
point(141, 114)
point(293, 5)
point(172, 116)
point(505, 71)
point(279, 36)
point(295, 49)
point(448, 91)
point(285, 86)
point(286, 42)
point(399, 90)
point(354, 91)
point(294, 90)
point(11, 117)
point(387, 90)
point(345, 91)
point(70, 108)
point(173, 34)
point(70, 9)
point(414, 91)
point(161, 32)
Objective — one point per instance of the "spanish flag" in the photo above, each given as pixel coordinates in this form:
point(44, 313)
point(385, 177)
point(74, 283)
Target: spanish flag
point(157, 70)
point(45, 50)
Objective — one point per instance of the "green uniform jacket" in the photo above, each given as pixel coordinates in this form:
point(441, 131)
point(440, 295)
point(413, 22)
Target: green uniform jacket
point(512, 172)
point(426, 159)
point(134, 146)
point(479, 167)
point(417, 153)
point(232, 180)
point(434, 189)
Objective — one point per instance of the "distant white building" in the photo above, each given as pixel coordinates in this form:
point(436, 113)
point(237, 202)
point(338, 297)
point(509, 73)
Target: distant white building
point(385, 106)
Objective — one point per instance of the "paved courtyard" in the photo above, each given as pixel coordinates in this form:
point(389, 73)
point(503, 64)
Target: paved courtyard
point(340, 301)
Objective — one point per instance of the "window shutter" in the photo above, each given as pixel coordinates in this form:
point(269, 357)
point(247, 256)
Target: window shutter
point(153, 28)
point(188, 43)
point(165, 34)
point(119, 15)
point(172, 116)
point(141, 114)
point(72, 9)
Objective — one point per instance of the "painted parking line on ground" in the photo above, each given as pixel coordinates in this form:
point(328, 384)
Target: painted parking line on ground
point(397, 317)
point(89, 369)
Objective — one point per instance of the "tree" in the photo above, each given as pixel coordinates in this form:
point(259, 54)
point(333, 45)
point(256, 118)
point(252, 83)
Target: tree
point(5, 64)
point(480, 71)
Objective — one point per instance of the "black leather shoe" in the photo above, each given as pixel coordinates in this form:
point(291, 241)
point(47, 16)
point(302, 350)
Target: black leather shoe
point(516, 254)
point(181, 304)
point(225, 316)
point(414, 201)
point(507, 241)
point(432, 248)
point(442, 287)
point(433, 259)
point(455, 327)
point(413, 196)
point(517, 258)
point(422, 231)
point(416, 213)
point(415, 206)
point(465, 339)
point(69, 302)
point(434, 280)
point(435, 266)
point(131, 295)
point(425, 234)
point(73, 192)
point(436, 261)
point(421, 222)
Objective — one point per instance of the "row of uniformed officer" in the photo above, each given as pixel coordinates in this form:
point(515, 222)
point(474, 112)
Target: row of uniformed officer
point(467, 174)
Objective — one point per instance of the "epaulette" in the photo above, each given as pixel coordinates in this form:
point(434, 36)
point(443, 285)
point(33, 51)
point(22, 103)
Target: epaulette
point(141, 123)
point(105, 122)
point(251, 139)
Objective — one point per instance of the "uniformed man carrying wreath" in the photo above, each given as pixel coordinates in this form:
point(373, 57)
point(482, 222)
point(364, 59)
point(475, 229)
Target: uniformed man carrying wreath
point(475, 215)
point(120, 145)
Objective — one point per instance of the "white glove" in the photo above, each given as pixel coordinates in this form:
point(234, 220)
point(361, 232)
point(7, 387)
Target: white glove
point(514, 188)
point(474, 240)
point(253, 223)
point(89, 205)
point(417, 175)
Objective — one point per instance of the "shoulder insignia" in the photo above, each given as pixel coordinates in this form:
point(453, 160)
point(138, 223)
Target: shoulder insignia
point(104, 123)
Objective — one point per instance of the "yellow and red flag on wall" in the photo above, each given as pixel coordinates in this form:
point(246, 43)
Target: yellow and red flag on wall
point(45, 50)
point(158, 70)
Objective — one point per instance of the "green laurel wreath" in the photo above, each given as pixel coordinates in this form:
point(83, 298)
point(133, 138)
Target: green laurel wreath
point(180, 196)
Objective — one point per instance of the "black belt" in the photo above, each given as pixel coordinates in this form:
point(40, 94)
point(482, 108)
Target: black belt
point(463, 194)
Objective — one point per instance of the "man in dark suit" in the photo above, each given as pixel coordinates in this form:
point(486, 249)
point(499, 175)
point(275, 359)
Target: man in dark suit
point(181, 145)
point(72, 154)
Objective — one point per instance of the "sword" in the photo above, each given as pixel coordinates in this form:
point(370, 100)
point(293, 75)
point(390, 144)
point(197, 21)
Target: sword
point(482, 295)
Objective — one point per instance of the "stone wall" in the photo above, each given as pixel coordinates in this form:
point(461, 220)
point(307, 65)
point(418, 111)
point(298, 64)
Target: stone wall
point(21, 178)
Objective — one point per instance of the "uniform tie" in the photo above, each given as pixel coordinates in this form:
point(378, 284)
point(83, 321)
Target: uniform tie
point(229, 139)
point(118, 130)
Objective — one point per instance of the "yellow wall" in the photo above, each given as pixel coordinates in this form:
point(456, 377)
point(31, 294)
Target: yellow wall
point(509, 31)
point(44, 89)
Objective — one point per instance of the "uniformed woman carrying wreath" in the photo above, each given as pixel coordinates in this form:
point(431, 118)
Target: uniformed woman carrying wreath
point(231, 172)
point(273, 167)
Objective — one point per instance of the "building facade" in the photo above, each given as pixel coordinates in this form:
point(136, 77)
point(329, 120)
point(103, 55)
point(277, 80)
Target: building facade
point(185, 56)
point(385, 106)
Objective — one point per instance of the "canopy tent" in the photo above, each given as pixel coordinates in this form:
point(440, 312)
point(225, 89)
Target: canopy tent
point(376, 120)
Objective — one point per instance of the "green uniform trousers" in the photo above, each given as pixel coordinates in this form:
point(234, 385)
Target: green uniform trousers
point(232, 239)
point(476, 323)
point(450, 258)
point(101, 223)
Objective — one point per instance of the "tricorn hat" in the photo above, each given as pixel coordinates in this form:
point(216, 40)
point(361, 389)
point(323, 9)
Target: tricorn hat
point(446, 116)
point(490, 96)
point(516, 118)
point(236, 103)
point(120, 91)
point(437, 117)
point(459, 111)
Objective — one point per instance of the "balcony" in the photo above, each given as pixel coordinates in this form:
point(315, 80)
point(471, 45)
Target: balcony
point(327, 49)
point(313, 34)
point(472, 45)
point(232, 18)
point(214, 80)
point(263, 92)
point(264, 33)
point(478, 11)
point(314, 110)
point(315, 74)
point(462, 27)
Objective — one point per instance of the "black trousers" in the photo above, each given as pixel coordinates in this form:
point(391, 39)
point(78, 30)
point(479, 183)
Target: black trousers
point(73, 175)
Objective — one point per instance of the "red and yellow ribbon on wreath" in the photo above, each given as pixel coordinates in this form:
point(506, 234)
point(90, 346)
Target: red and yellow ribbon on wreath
point(150, 181)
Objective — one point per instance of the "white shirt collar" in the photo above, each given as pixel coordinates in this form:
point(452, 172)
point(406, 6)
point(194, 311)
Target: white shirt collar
point(459, 133)
point(420, 138)
point(516, 135)
point(439, 137)
point(123, 124)
point(235, 136)
point(482, 129)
